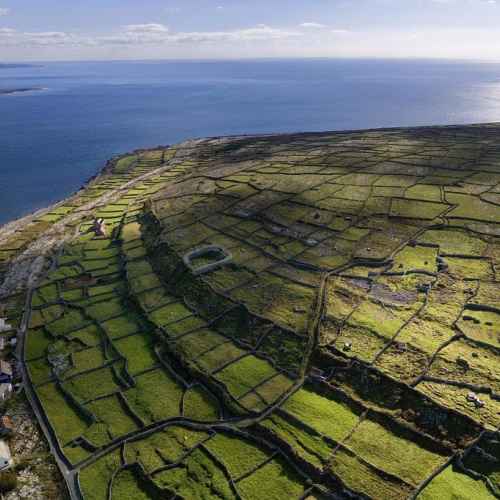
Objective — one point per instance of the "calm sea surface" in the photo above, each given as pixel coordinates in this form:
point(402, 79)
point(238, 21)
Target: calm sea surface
point(51, 141)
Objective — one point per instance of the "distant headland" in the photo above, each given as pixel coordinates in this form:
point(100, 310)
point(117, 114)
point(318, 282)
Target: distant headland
point(19, 90)
point(18, 65)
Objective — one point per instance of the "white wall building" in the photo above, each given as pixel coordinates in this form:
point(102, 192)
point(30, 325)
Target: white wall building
point(4, 327)
point(5, 391)
point(6, 461)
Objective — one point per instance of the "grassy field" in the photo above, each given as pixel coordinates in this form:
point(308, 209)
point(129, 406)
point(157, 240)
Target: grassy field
point(155, 397)
point(354, 330)
point(453, 485)
point(331, 418)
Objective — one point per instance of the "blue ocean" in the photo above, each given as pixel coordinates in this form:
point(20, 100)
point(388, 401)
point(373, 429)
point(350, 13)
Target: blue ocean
point(53, 140)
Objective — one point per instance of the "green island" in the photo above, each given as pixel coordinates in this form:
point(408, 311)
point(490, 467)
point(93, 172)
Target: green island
point(303, 316)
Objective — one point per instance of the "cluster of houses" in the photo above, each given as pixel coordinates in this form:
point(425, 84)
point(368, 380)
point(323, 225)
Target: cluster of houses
point(7, 341)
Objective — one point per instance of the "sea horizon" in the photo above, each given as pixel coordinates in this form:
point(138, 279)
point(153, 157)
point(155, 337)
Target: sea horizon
point(37, 62)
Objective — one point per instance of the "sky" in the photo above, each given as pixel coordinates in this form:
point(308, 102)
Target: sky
point(44, 30)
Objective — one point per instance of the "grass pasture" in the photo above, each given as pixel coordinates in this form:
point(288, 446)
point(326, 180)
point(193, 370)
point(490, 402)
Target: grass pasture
point(139, 352)
point(397, 454)
point(244, 374)
point(281, 482)
point(111, 412)
point(155, 397)
point(207, 383)
point(454, 485)
point(198, 404)
point(93, 384)
point(328, 417)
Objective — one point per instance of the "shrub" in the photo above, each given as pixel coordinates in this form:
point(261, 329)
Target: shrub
point(8, 481)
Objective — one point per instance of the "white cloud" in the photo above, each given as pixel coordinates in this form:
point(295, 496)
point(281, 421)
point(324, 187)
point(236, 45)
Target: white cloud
point(250, 34)
point(11, 37)
point(49, 38)
point(4, 11)
point(139, 35)
point(154, 40)
point(312, 25)
point(146, 28)
point(136, 34)
point(49, 34)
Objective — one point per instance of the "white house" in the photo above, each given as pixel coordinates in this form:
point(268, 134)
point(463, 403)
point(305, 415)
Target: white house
point(5, 391)
point(6, 461)
point(4, 327)
point(5, 371)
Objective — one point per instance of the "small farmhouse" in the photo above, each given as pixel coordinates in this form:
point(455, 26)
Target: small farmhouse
point(6, 461)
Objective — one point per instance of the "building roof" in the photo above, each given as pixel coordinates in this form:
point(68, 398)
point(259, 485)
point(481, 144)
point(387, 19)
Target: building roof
point(6, 421)
point(4, 326)
point(5, 367)
point(5, 387)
